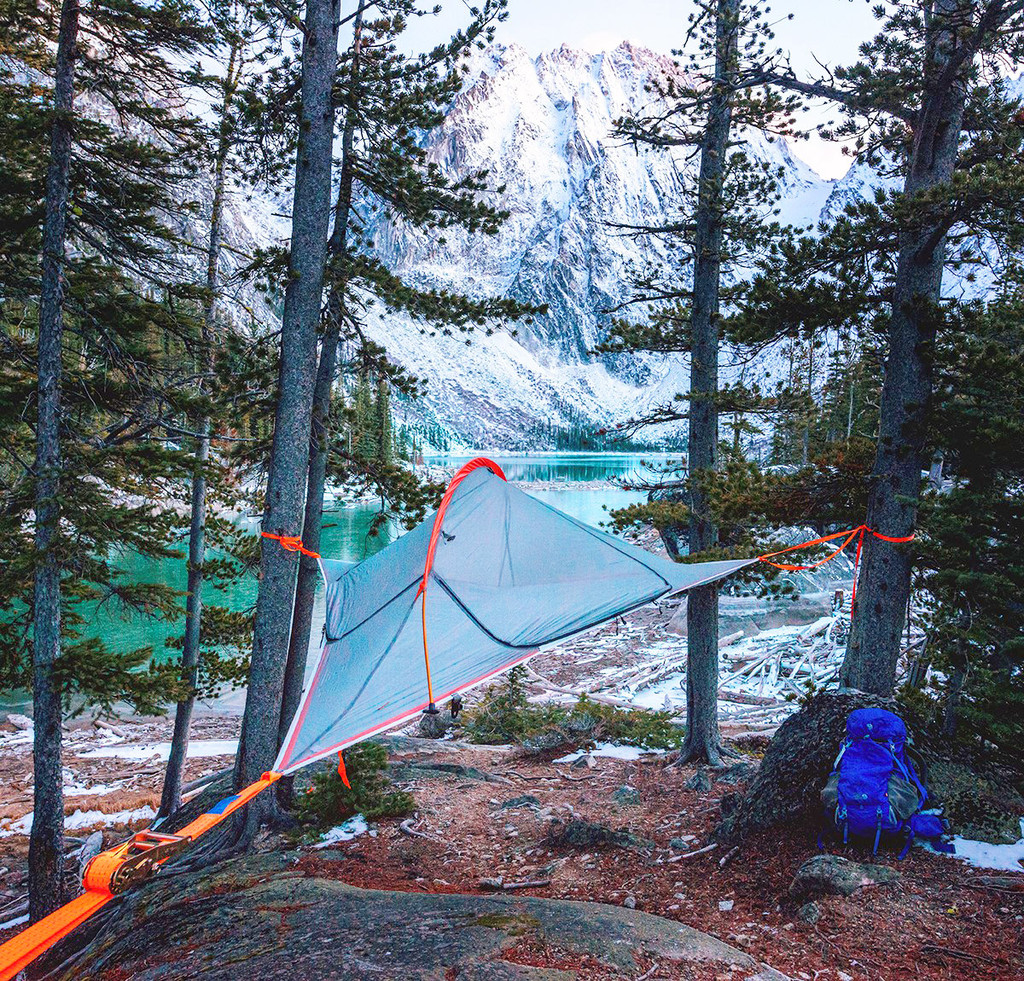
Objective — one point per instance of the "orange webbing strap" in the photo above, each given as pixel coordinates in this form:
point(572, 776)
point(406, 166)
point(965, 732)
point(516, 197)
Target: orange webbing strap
point(291, 543)
point(22, 950)
point(113, 871)
point(848, 536)
point(342, 772)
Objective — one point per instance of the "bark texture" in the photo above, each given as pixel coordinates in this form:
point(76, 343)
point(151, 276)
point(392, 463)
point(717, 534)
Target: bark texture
point(290, 451)
point(883, 588)
point(46, 844)
point(312, 523)
point(702, 738)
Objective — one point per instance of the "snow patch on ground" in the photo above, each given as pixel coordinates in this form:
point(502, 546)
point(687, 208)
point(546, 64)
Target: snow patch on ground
point(350, 829)
point(197, 749)
point(80, 819)
point(96, 790)
point(17, 921)
point(21, 738)
point(984, 855)
point(611, 751)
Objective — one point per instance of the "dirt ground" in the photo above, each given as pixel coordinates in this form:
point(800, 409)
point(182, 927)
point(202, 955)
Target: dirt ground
point(502, 822)
point(937, 922)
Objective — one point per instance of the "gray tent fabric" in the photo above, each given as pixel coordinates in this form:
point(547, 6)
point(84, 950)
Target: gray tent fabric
point(510, 575)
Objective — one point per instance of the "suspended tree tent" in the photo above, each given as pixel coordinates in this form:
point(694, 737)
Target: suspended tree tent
point(485, 583)
point(477, 588)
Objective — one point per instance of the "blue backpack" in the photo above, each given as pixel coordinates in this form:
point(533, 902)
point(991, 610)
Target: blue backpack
point(874, 788)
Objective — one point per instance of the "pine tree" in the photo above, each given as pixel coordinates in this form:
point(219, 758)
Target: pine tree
point(968, 559)
point(90, 354)
point(294, 402)
point(46, 847)
point(711, 109)
point(926, 103)
point(241, 34)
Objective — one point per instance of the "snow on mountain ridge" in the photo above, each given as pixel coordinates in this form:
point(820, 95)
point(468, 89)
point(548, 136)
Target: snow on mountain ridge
point(542, 127)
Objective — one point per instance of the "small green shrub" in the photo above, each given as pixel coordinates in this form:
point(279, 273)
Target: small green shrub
point(633, 727)
point(329, 801)
point(506, 716)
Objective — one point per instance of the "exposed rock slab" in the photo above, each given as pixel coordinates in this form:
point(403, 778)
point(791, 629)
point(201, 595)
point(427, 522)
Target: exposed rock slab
point(259, 917)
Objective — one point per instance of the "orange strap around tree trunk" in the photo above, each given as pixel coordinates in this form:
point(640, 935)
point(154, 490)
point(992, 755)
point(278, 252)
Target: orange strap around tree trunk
point(291, 543)
point(848, 536)
point(112, 872)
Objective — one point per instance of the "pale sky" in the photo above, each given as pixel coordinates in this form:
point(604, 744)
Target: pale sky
point(826, 30)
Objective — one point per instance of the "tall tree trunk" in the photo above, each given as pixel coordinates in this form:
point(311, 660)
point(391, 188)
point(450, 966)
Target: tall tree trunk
point(290, 452)
point(702, 737)
point(312, 522)
point(951, 707)
point(883, 589)
point(46, 844)
point(171, 798)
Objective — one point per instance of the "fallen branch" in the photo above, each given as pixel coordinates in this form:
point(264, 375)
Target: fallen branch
point(728, 856)
point(699, 851)
point(407, 829)
point(500, 883)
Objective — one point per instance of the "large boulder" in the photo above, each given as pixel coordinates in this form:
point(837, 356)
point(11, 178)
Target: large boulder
point(787, 787)
point(261, 917)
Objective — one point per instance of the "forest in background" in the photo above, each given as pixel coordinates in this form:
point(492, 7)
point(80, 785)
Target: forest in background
point(155, 380)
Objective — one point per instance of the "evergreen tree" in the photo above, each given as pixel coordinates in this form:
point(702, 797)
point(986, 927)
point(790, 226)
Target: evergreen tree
point(711, 108)
point(91, 355)
point(289, 455)
point(968, 560)
point(242, 33)
point(925, 103)
point(386, 100)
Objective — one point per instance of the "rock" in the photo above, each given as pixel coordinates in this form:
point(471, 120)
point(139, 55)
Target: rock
point(682, 844)
point(435, 725)
point(626, 796)
point(726, 905)
point(260, 917)
point(785, 790)
point(19, 721)
point(584, 763)
point(524, 800)
point(629, 902)
point(583, 834)
point(831, 875)
point(809, 913)
point(701, 781)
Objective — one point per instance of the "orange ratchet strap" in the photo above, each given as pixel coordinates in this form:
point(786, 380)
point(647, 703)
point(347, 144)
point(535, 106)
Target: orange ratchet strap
point(111, 873)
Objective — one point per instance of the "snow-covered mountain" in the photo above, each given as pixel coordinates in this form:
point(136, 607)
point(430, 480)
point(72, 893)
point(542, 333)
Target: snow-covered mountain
point(542, 127)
